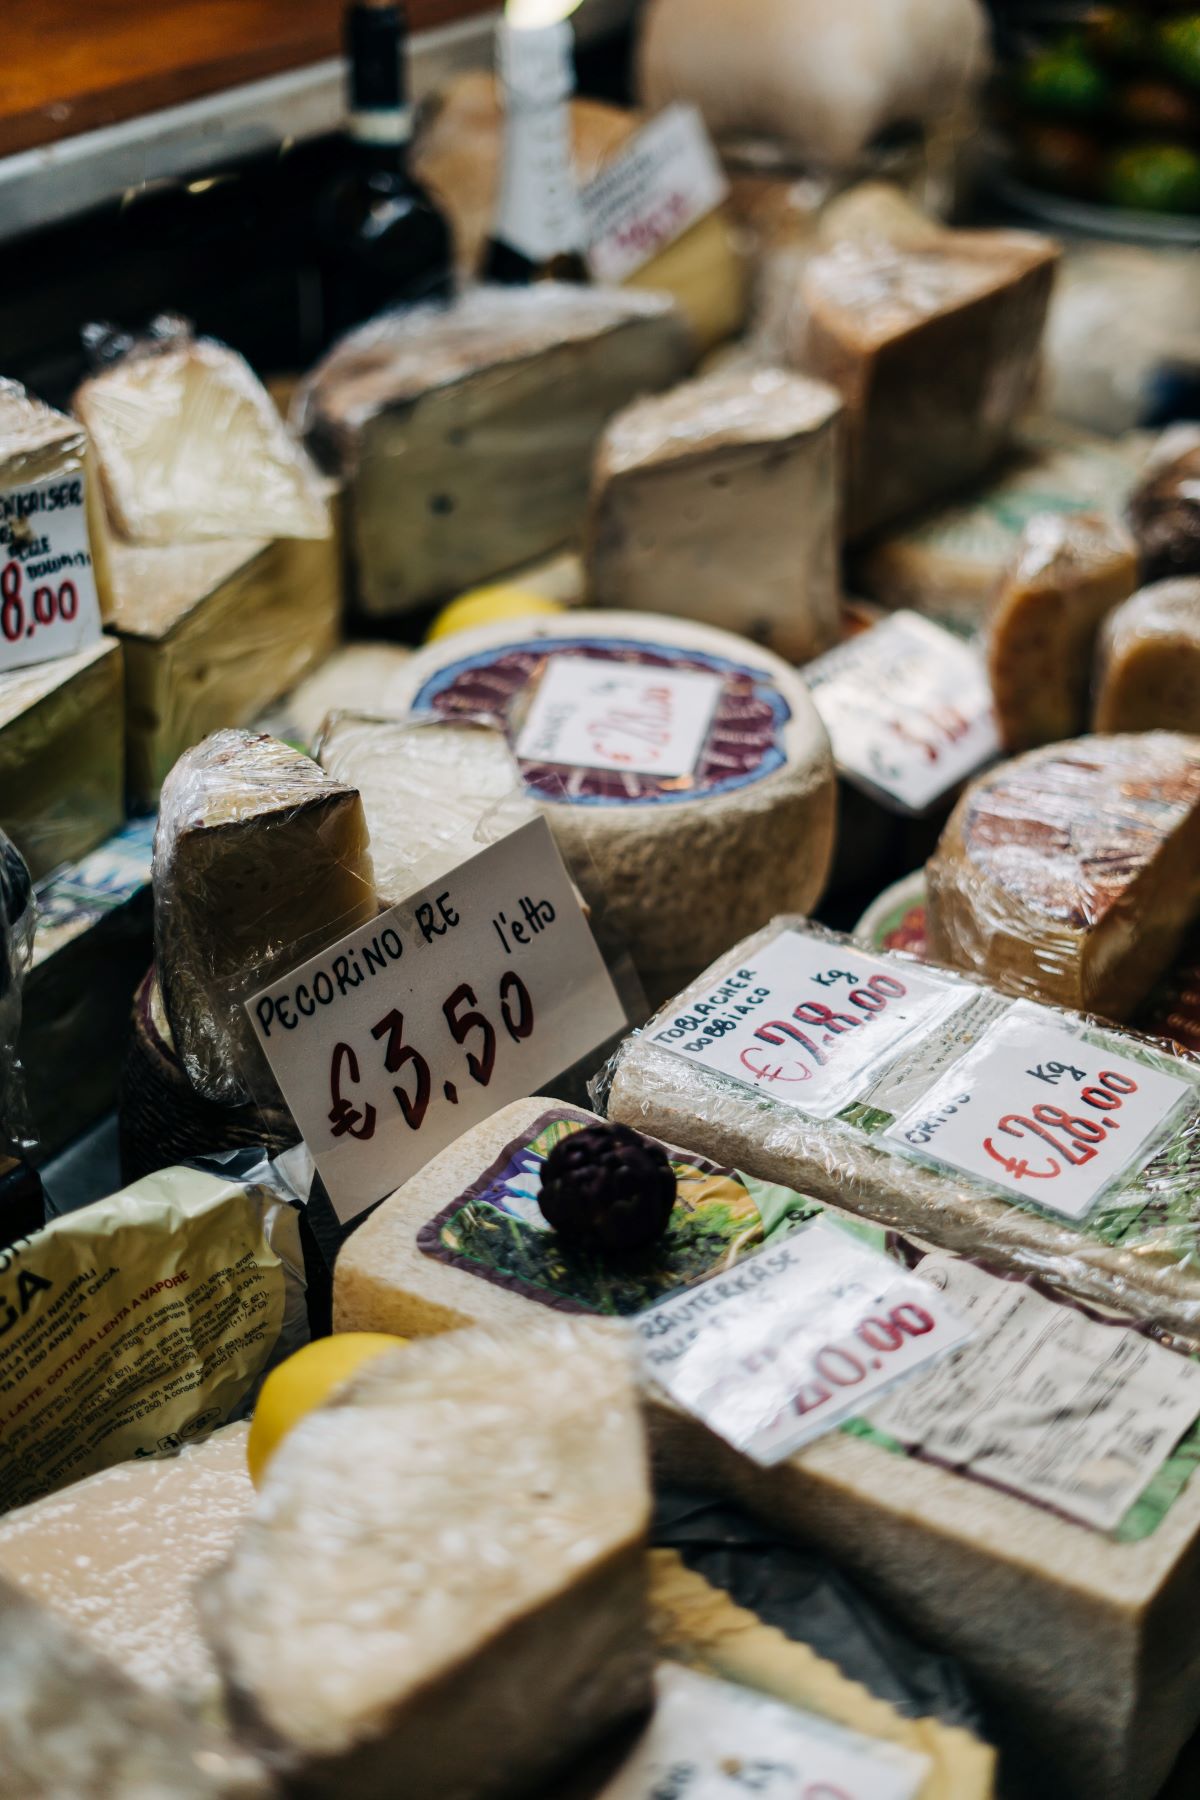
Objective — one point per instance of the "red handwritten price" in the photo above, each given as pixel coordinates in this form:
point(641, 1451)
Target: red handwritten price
point(1074, 1138)
point(870, 999)
point(852, 1359)
point(48, 607)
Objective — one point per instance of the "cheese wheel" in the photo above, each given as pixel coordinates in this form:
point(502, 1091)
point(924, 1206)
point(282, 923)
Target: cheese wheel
point(678, 863)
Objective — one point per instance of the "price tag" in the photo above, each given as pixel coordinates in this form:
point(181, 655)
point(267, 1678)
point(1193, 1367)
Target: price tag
point(712, 1740)
point(792, 1341)
point(592, 714)
point(805, 1019)
point(471, 994)
point(1040, 1113)
point(666, 179)
point(48, 601)
point(908, 709)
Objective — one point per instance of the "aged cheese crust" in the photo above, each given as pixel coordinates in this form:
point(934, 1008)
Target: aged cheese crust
point(1148, 662)
point(1072, 873)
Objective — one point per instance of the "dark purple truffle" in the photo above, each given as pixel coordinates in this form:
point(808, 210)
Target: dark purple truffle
point(607, 1188)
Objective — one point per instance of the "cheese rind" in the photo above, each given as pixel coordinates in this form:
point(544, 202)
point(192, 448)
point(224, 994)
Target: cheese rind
point(718, 501)
point(1148, 661)
point(1072, 873)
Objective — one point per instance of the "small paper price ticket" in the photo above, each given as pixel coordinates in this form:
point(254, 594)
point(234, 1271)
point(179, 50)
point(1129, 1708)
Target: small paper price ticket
point(591, 714)
point(471, 994)
point(48, 601)
point(664, 181)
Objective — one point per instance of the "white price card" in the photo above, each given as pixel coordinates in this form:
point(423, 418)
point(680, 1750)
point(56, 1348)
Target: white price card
point(664, 181)
point(712, 1740)
point(470, 994)
point(908, 709)
point(1040, 1113)
point(805, 1019)
point(792, 1341)
point(587, 713)
point(48, 601)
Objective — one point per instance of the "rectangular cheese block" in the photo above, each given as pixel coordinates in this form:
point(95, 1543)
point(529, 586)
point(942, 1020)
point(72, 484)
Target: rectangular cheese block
point(1148, 661)
point(260, 860)
point(720, 500)
point(474, 1613)
point(465, 432)
point(935, 352)
point(62, 755)
point(212, 634)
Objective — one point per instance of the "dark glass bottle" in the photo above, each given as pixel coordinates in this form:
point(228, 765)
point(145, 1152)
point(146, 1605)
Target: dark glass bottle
point(383, 240)
point(539, 230)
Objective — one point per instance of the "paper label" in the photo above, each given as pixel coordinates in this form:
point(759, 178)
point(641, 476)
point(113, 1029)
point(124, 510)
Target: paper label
point(608, 715)
point(539, 213)
point(48, 601)
point(908, 709)
point(468, 995)
point(792, 1341)
point(712, 1740)
point(1043, 1400)
point(1040, 1113)
point(666, 179)
point(805, 1019)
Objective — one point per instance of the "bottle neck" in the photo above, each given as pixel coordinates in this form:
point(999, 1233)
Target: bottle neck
point(539, 215)
point(378, 123)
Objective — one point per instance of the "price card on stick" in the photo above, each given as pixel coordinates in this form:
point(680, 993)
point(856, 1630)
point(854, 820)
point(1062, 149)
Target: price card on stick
point(473, 993)
point(666, 179)
point(48, 601)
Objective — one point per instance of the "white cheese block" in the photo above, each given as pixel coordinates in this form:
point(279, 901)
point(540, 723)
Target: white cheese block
point(62, 755)
point(1148, 661)
point(118, 1555)
point(356, 678)
point(674, 864)
point(445, 1573)
point(465, 432)
point(718, 501)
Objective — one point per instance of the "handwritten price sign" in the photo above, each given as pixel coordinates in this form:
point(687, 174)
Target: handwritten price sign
point(666, 179)
point(588, 714)
point(48, 602)
point(473, 993)
point(1040, 1113)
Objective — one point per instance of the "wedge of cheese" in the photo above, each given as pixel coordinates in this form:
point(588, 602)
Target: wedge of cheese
point(62, 755)
point(212, 634)
point(1072, 874)
point(1148, 661)
point(356, 678)
point(39, 445)
point(465, 432)
point(1164, 509)
point(935, 353)
point(260, 860)
point(1066, 576)
point(445, 1574)
point(718, 501)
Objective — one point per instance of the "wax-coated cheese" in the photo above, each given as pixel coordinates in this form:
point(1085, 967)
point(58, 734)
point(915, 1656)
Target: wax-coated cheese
point(674, 865)
point(1148, 664)
point(465, 432)
point(62, 755)
point(445, 1572)
point(1066, 576)
point(1072, 873)
point(260, 860)
point(718, 501)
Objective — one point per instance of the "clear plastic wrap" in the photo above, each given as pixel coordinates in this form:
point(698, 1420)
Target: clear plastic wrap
point(44, 449)
point(1136, 1250)
point(720, 499)
point(17, 912)
point(1072, 873)
point(466, 431)
point(1164, 508)
point(260, 860)
point(190, 446)
point(1067, 573)
point(1148, 661)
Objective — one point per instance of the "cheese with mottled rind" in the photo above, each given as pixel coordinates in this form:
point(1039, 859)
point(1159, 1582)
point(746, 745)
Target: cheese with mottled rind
point(1148, 661)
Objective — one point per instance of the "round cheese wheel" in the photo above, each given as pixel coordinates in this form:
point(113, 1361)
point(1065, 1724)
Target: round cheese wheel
point(684, 771)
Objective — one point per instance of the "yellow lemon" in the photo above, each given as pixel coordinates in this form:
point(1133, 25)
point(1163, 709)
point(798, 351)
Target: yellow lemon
point(488, 605)
point(304, 1382)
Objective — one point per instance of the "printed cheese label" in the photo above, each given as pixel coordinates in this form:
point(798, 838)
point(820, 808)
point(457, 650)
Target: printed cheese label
point(468, 995)
point(713, 1740)
point(795, 1339)
point(594, 715)
point(48, 601)
point(1040, 1113)
point(662, 183)
point(908, 710)
point(1044, 1401)
point(805, 1019)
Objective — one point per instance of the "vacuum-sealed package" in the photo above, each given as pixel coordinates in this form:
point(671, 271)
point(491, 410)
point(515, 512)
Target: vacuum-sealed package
point(1148, 661)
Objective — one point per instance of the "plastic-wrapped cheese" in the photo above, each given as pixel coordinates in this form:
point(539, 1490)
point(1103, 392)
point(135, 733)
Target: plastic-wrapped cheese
point(354, 679)
point(1067, 574)
point(935, 353)
point(465, 432)
point(1148, 664)
point(1164, 509)
point(1072, 873)
point(43, 449)
point(684, 772)
point(260, 860)
point(718, 501)
point(445, 1573)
